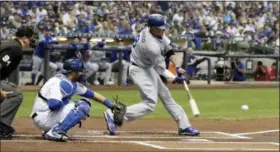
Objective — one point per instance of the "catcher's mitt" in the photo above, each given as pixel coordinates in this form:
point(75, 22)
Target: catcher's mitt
point(119, 110)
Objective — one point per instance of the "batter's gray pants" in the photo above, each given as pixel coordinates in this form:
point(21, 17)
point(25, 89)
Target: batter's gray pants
point(10, 105)
point(150, 87)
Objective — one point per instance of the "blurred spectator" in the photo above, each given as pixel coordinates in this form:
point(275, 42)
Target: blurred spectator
point(261, 72)
point(114, 57)
point(86, 55)
point(99, 57)
point(272, 72)
point(4, 31)
point(178, 17)
point(15, 20)
point(238, 73)
point(257, 21)
point(191, 68)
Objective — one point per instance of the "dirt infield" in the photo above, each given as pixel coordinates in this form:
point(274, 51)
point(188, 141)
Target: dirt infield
point(153, 135)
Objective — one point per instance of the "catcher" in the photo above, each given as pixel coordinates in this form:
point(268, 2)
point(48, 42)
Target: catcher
point(10, 57)
point(54, 113)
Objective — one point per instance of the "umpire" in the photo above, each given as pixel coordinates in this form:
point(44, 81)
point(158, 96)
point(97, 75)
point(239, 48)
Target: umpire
point(10, 57)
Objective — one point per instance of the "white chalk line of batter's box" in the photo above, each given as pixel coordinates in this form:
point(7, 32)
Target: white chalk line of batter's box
point(132, 137)
point(99, 132)
point(233, 135)
point(275, 143)
point(258, 132)
point(224, 149)
point(148, 145)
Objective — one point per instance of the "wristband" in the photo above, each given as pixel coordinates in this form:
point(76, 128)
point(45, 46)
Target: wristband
point(107, 103)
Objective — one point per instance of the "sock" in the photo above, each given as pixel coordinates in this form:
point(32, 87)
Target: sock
point(33, 76)
point(40, 78)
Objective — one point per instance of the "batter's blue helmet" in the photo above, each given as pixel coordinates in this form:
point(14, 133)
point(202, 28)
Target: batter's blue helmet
point(72, 65)
point(158, 21)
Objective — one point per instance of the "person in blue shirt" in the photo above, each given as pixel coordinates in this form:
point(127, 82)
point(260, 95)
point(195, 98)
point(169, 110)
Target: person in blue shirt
point(114, 57)
point(191, 66)
point(237, 70)
point(38, 57)
point(72, 51)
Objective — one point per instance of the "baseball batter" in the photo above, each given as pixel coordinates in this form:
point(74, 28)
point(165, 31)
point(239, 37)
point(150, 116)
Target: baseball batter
point(147, 62)
point(54, 113)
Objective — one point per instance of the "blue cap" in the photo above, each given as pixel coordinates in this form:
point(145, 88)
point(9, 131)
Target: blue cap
point(47, 28)
point(158, 21)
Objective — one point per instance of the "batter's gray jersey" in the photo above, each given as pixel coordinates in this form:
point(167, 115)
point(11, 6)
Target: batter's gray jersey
point(148, 51)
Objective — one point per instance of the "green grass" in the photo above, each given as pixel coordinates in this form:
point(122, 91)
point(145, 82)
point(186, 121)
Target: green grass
point(224, 104)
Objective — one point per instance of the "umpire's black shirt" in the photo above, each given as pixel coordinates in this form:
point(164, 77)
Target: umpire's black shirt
point(10, 57)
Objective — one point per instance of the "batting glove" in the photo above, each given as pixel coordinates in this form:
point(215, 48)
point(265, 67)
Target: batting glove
point(180, 70)
point(179, 79)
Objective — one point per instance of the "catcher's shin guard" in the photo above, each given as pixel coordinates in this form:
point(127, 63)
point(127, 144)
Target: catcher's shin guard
point(74, 117)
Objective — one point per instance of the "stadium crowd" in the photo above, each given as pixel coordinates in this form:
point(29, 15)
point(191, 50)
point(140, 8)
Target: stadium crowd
point(249, 23)
point(258, 21)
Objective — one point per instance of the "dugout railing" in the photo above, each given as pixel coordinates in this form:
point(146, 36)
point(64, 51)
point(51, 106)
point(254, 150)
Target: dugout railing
point(223, 54)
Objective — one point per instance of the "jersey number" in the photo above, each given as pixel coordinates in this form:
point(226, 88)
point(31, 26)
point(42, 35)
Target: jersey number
point(6, 59)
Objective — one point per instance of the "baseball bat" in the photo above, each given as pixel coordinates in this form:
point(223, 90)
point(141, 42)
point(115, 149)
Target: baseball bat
point(192, 102)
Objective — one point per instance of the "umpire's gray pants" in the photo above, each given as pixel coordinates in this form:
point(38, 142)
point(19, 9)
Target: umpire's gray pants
point(10, 105)
point(150, 87)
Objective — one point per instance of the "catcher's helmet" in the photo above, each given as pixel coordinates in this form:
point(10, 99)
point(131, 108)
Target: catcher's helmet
point(73, 65)
point(158, 21)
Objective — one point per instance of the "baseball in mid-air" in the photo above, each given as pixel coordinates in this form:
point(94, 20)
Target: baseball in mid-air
point(245, 107)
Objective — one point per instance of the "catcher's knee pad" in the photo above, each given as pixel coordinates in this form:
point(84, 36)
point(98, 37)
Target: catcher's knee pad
point(74, 117)
point(84, 105)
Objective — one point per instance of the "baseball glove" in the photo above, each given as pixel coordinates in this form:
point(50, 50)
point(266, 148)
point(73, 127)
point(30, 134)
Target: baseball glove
point(119, 110)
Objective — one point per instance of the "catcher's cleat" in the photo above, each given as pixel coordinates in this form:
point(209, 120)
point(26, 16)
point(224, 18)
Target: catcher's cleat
point(110, 123)
point(189, 132)
point(56, 135)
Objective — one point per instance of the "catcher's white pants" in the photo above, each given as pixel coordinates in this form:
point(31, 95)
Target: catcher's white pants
point(45, 120)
